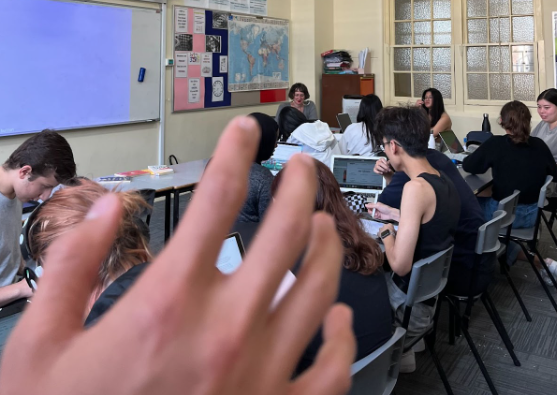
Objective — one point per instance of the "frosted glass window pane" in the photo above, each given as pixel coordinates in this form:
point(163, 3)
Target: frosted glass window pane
point(441, 32)
point(498, 7)
point(442, 82)
point(403, 84)
point(477, 31)
point(402, 59)
point(499, 30)
point(441, 9)
point(523, 29)
point(476, 59)
point(422, 9)
point(422, 33)
point(422, 59)
point(523, 58)
point(523, 6)
point(421, 83)
point(500, 86)
point(403, 33)
point(523, 87)
point(476, 8)
point(441, 59)
point(403, 10)
point(477, 86)
point(499, 59)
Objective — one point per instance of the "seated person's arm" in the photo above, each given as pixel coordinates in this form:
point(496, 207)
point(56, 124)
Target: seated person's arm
point(443, 124)
point(383, 167)
point(481, 160)
point(400, 249)
point(312, 111)
point(16, 291)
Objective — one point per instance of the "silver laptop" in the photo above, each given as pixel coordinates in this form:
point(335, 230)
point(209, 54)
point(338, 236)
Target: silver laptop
point(355, 174)
point(343, 121)
point(451, 142)
point(282, 154)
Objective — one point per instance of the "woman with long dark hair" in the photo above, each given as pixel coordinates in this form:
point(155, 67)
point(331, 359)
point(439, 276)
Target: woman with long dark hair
point(547, 128)
point(432, 102)
point(359, 138)
point(362, 285)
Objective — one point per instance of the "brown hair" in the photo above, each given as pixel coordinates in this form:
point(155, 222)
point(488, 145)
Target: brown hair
point(516, 117)
point(361, 253)
point(69, 206)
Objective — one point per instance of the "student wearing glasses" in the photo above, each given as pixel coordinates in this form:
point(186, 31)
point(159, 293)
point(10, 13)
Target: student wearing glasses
point(428, 215)
point(432, 103)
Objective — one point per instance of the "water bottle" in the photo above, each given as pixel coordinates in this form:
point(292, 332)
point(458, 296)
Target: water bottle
point(431, 142)
point(486, 126)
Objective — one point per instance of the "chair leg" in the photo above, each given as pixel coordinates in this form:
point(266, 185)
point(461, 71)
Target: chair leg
point(451, 324)
point(430, 344)
point(479, 360)
point(494, 314)
point(549, 225)
point(540, 279)
point(505, 272)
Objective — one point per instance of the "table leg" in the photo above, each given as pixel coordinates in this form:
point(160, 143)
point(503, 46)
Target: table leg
point(166, 216)
point(176, 209)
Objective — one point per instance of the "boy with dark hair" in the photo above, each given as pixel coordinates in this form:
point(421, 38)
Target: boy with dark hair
point(31, 172)
point(428, 214)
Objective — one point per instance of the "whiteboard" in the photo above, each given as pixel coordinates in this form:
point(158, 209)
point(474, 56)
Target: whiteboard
point(75, 65)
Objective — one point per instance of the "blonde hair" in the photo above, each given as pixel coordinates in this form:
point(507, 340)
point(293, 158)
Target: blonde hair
point(68, 207)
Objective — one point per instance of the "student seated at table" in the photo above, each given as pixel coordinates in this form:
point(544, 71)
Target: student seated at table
point(30, 173)
point(547, 128)
point(517, 161)
point(299, 96)
point(260, 178)
point(359, 138)
point(428, 215)
point(315, 138)
point(66, 209)
point(432, 102)
point(471, 218)
point(362, 283)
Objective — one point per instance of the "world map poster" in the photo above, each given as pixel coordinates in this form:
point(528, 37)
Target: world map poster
point(258, 53)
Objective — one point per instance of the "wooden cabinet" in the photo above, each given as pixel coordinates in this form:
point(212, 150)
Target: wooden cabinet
point(335, 86)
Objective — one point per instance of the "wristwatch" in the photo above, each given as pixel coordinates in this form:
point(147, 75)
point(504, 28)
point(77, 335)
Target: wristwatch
point(385, 234)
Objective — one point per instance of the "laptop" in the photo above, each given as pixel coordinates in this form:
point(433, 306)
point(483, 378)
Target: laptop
point(9, 316)
point(343, 121)
point(283, 153)
point(456, 151)
point(230, 259)
point(355, 174)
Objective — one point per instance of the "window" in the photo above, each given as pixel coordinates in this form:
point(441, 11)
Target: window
point(422, 52)
point(500, 50)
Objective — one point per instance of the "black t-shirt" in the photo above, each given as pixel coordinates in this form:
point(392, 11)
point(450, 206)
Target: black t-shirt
point(514, 166)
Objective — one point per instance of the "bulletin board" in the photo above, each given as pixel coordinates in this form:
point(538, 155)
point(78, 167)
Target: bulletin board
point(202, 78)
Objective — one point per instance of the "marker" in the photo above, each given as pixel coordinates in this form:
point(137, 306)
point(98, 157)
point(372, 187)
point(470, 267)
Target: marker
point(141, 76)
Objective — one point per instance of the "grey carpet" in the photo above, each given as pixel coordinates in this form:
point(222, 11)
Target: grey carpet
point(535, 342)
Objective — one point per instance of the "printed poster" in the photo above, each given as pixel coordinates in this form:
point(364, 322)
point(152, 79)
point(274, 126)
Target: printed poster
point(194, 93)
point(220, 20)
point(183, 42)
point(218, 89)
point(223, 64)
point(181, 22)
point(194, 58)
point(206, 65)
point(181, 65)
point(199, 21)
point(258, 7)
point(239, 6)
point(197, 3)
point(221, 5)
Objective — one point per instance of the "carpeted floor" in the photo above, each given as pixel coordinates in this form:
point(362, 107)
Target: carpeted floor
point(535, 342)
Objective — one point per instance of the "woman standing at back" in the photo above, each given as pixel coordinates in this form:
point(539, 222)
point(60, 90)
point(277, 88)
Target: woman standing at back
point(359, 138)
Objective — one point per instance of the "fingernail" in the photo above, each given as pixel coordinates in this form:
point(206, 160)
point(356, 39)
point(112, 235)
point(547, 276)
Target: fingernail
point(101, 206)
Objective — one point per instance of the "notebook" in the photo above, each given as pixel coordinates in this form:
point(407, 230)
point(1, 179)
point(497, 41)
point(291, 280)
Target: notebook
point(343, 121)
point(283, 153)
point(355, 174)
point(230, 259)
point(9, 316)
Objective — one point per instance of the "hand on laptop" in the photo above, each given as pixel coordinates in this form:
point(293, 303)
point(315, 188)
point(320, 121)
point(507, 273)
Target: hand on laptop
point(383, 212)
point(184, 325)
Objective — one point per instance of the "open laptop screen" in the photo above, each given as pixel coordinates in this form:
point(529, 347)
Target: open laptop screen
point(357, 172)
point(451, 141)
point(344, 121)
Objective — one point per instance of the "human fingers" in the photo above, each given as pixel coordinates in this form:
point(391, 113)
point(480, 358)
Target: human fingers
point(224, 185)
point(281, 238)
point(301, 311)
point(330, 373)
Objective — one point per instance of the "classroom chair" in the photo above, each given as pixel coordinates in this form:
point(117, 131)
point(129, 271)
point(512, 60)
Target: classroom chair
point(377, 373)
point(487, 242)
point(527, 239)
point(508, 205)
point(428, 279)
point(477, 138)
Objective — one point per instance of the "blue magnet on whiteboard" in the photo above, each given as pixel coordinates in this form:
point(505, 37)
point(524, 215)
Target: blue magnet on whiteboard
point(141, 74)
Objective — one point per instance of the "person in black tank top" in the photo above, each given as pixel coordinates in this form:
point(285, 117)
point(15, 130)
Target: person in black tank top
point(428, 215)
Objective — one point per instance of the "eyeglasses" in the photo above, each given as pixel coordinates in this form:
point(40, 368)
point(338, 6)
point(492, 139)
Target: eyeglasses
point(385, 143)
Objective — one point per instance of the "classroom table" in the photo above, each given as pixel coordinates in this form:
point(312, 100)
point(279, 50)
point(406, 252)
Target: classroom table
point(477, 182)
